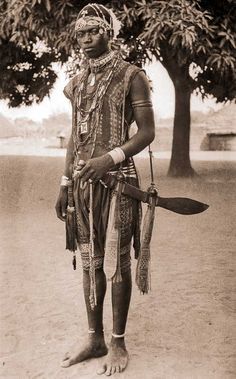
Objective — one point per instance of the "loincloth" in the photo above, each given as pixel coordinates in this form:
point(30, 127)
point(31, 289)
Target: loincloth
point(130, 215)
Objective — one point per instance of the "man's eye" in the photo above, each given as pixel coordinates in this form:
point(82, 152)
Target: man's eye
point(80, 35)
point(94, 32)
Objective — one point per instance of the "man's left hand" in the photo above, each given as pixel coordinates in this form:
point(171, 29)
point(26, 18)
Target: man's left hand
point(96, 168)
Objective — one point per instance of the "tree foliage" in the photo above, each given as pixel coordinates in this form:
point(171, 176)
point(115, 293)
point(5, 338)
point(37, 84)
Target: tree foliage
point(198, 34)
point(26, 65)
point(194, 40)
point(33, 74)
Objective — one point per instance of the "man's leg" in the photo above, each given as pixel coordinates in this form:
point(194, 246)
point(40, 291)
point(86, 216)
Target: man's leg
point(117, 358)
point(95, 346)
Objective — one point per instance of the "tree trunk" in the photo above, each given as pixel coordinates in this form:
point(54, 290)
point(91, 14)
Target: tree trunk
point(180, 164)
point(178, 70)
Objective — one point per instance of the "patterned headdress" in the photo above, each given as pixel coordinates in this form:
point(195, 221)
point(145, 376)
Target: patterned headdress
point(94, 15)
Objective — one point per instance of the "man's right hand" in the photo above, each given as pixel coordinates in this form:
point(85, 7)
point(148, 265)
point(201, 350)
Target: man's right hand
point(62, 202)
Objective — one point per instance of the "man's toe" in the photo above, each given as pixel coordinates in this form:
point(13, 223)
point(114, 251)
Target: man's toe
point(65, 362)
point(102, 369)
point(108, 371)
point(113, 370)
point(66, 356)
point(118, 368)
point(123, 365)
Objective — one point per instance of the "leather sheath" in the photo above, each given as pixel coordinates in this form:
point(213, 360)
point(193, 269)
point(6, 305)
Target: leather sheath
point(127, 189)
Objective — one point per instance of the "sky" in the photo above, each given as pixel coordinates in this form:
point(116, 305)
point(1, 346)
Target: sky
point(163, 99)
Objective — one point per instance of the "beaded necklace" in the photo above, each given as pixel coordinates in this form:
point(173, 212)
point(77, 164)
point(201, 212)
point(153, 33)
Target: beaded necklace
point(97, 64)
point(90, 117)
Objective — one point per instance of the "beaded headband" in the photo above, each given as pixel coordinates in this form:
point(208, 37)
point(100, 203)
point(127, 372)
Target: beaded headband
point(94, 15)
point(91, 21)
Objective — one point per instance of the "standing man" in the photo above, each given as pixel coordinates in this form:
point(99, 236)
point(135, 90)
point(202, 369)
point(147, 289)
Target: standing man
point(106, 97)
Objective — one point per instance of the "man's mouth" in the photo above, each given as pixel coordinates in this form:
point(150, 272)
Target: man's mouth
point(88, 48)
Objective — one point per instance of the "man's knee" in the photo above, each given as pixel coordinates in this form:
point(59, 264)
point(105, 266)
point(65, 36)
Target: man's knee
point(125, 260)
point(97, 261)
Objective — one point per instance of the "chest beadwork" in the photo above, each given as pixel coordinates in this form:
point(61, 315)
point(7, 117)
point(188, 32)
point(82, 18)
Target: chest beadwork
point(98, 120)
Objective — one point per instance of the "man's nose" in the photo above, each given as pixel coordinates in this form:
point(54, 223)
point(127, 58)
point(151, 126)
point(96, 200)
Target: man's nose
point(87, 38)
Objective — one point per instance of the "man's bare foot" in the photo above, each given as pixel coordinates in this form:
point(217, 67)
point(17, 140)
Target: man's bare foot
point(116, 359)
point(94, 348)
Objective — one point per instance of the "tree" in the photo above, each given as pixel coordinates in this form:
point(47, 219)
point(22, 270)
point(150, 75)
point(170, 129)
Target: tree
point(29, 45)
point(194, 40)
point(34, 34)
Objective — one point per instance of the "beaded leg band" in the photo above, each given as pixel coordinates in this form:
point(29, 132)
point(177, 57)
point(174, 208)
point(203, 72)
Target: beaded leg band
point(91, 331)
point(118, 335)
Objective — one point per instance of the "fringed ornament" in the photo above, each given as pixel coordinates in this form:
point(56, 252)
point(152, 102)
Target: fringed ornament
point(143, 274)
point(112, 245)
point(92, 273)
point(71, 241)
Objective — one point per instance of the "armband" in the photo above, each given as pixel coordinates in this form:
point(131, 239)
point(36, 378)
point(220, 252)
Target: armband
point(141, 104)
point(64, 181)
point(117, 155)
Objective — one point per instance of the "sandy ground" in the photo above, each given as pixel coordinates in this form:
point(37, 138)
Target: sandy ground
point(185, 327)
point(50, 147)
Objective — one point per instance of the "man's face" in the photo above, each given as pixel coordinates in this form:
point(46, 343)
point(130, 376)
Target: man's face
point(93, 41)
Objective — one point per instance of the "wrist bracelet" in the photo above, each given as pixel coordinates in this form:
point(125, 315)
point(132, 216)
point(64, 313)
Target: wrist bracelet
point(64, 181)
point(117, 155)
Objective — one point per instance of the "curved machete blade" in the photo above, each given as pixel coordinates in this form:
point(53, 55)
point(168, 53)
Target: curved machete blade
point(181, 205)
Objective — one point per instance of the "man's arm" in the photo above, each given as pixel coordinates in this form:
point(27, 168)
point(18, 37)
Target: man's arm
point(62, 200)
point(69, 157)
point(140, 98)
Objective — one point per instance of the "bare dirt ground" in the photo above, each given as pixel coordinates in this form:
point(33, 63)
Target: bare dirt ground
point(185, 327)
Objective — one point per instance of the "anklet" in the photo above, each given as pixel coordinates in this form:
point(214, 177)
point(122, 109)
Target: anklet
point(91, 331)
point(118, 335)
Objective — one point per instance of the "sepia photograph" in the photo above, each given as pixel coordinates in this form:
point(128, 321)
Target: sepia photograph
point(117, 189)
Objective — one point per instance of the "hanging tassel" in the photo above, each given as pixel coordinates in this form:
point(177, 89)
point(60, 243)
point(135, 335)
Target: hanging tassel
point(71, 242)
point(112, 245)
point(117, 278)
point(74, 261)
point(143, 274)
point(92, 273)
